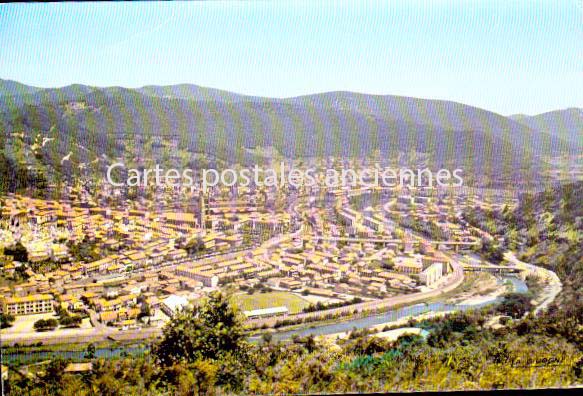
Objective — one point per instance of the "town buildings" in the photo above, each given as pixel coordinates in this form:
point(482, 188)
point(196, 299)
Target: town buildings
point(27, 305)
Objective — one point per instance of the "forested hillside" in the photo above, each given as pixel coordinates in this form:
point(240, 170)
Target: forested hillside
point(83, 127)
point(547, 230)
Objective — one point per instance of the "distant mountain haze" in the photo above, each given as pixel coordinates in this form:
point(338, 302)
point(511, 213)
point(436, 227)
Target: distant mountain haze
point(566, 124)
point(13, 88)
point(170, 123)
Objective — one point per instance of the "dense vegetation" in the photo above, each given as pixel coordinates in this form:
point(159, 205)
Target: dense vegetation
point(547, 230)
point(204, 351)
point(189, 126)
point(46, 324)
point(6, 320)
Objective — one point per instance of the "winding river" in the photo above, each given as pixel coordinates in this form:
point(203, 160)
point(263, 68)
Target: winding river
point(519, 286)
point(390, 316)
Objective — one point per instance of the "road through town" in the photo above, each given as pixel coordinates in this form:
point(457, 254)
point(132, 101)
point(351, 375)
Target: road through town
point(451, 282)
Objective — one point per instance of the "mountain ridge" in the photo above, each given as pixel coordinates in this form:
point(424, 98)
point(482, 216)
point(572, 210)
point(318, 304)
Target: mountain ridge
point(175, 123)
point(566, 124)
point(151, 89)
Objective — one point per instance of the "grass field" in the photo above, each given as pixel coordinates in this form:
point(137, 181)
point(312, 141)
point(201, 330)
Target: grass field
point(258, 300)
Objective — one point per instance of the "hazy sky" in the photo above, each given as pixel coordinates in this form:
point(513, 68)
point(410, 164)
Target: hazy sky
point(510, 57)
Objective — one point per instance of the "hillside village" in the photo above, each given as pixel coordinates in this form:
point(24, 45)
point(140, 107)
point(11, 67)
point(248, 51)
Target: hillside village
point(132, 267)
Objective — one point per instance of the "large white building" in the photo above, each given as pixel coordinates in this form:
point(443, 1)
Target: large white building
point(28, 305)
point(266, 312)
point(174, 304)
point(431, 274)
point(208, 279)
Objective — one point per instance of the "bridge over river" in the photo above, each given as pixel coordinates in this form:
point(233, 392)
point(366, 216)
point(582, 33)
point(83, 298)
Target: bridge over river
point(493, 269)
point(386, 241)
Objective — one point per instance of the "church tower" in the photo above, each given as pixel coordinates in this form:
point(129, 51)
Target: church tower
point(201, 211)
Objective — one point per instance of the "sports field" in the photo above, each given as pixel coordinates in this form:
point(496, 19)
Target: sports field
point(248, 302)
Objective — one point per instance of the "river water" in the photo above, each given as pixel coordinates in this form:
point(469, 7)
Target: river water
point(394, 315)
point(519, 286)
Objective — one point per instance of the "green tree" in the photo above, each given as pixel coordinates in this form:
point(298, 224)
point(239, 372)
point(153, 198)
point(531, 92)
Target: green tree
point(515, 305)
point(6, 320)
point(90, 351)
point(45, 324)
point(53, 375)
point(70, 321)
point(267, 337)
point(208, 331)
point(18, 252)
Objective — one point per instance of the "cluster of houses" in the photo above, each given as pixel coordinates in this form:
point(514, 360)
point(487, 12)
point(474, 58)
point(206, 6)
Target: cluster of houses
point(144, 264)
point(145, 251)
point(357, 268)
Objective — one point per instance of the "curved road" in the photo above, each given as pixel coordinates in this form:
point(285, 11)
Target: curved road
point(553, 284)
point(453, 281)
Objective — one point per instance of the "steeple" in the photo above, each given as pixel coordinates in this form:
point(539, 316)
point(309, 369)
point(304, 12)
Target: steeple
point(201, 211)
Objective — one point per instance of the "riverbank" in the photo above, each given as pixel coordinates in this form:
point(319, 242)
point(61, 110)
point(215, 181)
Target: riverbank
point(450, 283)
point(382, 327)
point(553, 285)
